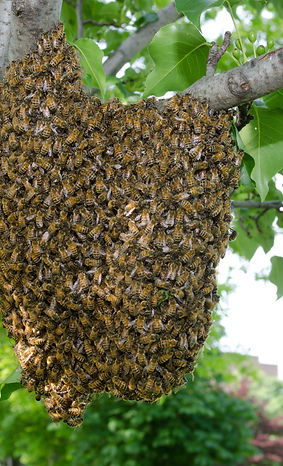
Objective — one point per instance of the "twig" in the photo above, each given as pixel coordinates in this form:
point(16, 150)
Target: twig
point(257, 205)
point(79, 13)
point(256, 219)
point(97, 23)
point(215, 54)
point(239, 217)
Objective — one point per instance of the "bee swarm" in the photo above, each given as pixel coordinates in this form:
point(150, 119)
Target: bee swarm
point(112, 221)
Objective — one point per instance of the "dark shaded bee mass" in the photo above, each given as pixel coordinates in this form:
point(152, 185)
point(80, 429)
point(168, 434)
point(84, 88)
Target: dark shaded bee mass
point(113, 219)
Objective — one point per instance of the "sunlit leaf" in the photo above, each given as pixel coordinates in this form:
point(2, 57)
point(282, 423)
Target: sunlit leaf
point(91, 61)
point(194, 8)
point(276, 274)
point(179, 53)
point(274, 100)
point(11, 384)
point(69, 19)
point(262, 139)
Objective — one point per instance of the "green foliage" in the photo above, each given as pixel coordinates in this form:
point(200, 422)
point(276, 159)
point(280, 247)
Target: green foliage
point(91, 60)
point(276, 274)
point(194, 8)
point(183, 63)
point(262, 139)
point(255, 226)
point(10, 384)
point(200, 425)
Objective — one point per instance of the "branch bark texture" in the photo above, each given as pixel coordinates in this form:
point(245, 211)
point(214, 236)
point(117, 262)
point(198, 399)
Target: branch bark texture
point(254, 79)
point(257, 205)
point(29, 18)
point(138, 41)
point(5, 16)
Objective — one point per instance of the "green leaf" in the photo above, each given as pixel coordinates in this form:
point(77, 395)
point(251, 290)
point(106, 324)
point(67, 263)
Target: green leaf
point(274, 100)
point(91, 61)
point(280, 219)
point(179, 52)
point(262, 139)
point(11, 384)
point(69, 19)
point(8, 389)
point(162, 3)
point(14, 377)
point(254, 230)
point(145, 18)
point(276, 274)
point(278, 7)
point(194, 8)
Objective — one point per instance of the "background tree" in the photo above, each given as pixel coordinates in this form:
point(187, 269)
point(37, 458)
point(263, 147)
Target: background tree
point(132, 49)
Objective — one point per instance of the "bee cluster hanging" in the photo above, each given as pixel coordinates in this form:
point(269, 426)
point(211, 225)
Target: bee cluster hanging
point(113, 219)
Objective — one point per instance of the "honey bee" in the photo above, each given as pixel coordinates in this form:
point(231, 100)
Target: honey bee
point(177, 233)
point(165, 357)
point(152, 364)
point(96, 385)
point(56, 59)
point(232, 234)
point(95, 232)
point(145, 131)
point(61, 124)
point(46, 148)
point(157, 325)
point(51, 103)
point(72, 136)
point(140, 324)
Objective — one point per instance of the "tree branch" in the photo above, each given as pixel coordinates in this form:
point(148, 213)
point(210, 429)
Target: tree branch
point(79, 13)
point(255, 204)
point(28, 21)
point(138, 41)
point(254, 79)
point(216, 53)
point(237, 86)
point(97, 23)
point(5, 15)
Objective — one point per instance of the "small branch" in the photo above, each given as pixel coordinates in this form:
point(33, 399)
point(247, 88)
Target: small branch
point(96, 23)
point(242, 225)
point(138, 41)
point(215, 54)
point(79, 13)
point(256, 219)
point(257, 205)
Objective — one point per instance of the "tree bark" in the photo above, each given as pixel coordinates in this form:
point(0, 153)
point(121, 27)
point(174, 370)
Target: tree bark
point(22, 22)
point(28, 19)
point(138, 41)
point(5, 16)
point(254, 79)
